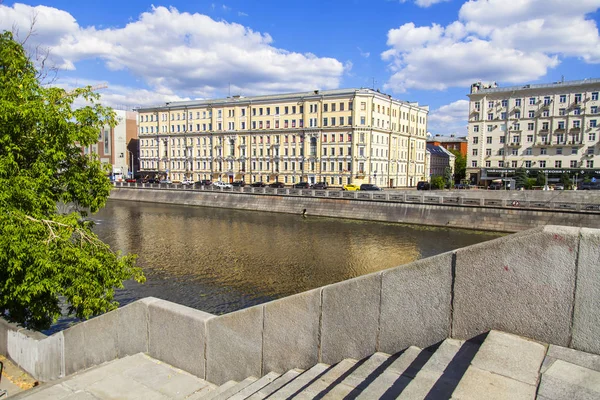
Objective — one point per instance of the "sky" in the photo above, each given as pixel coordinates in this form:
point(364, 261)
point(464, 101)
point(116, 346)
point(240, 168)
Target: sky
point(425, 51)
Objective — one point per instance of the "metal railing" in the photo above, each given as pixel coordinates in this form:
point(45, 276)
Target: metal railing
point(381, 196)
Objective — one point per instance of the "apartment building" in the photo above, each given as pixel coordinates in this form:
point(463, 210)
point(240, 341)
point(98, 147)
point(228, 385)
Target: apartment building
point(118, 146)
point(338, 136)
point(438, 160)
point(544, 128)
point(450, 143)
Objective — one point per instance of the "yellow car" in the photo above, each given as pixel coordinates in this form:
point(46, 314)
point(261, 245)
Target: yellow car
point(351, 187)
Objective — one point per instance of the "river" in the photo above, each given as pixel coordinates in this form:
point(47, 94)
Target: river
point(222, 260)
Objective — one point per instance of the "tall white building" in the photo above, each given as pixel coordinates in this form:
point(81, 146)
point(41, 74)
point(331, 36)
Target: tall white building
point(545, 128)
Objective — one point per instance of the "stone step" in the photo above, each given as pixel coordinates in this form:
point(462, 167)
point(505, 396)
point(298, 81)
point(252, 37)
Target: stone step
point(298, 384)
point(255, 386)
point(213, 393)
point(394, 367)
point(328, 380)
point(564, 380)
point(276, 384)
point(504, 364)
point(359, 377)
point(440, 375)
point(226, 394)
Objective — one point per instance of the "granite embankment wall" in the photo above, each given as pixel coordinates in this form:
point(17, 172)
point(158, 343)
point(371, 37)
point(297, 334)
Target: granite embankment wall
point(540, 283)
point(485, 210)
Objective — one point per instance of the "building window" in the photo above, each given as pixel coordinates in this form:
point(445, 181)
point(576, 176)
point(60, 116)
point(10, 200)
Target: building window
point(503, 115)
point(502, 139)
point(592, 136)
point(475, 140)
point(531, 114)
point(490, 128)
point(488, 139)
point(488, 164)
point(501, 164)
point(576, 124)
point(594, 110)
point(543, 164)
point(562, 111)
point(505, 103)
point(573, 150)
point(593, 123)
point(527, 164)
point(532, 101)
point(488, 152)
point(545, 126)
point(490, 104)
point(578, 98)
point(476, 128)
point(590, 150)
point(543, 151)
point(589, 163)
point(561, 125)
point(528, 151)
point(474, 152)
point(573, 163)
point(529, 138)
point(559, 151)
point(490, 116)
point(474, 164)
point(557, 164)
point(547, 100)
point(594, 96)
point(362, 119)
point(530, 126)
point(563, 98)
point(577, 111)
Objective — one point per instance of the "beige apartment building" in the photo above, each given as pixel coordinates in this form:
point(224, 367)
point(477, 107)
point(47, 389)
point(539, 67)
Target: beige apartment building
point(545, 128)
point(338, 136)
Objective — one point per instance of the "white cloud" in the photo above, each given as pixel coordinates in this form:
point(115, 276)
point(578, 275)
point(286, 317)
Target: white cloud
point(242, 14)
point(492, 41)
point(450, 119)
point(179, 52)
point(427, 3)
point(364, 54)
point(424, 3)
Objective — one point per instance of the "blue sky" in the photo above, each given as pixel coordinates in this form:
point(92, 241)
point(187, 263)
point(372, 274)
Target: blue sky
point(427, 51)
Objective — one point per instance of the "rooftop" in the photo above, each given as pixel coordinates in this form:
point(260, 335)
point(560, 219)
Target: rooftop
point(280, 97)
point(479, 88)
point(447, 139)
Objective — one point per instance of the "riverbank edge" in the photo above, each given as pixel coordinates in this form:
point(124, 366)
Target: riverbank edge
point(439, 215)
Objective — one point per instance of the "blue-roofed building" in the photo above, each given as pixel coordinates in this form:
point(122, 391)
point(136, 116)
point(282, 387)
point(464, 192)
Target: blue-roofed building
point(437, 159)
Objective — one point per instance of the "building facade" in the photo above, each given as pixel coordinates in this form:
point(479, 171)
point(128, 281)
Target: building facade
point(545, 128)
point(439, 161)
point(338, 136)
point(118, 146)
point(451, 142)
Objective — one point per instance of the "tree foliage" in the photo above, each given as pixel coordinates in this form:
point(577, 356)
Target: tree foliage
point(48, 256)
point(460, 166)
point(438, 182)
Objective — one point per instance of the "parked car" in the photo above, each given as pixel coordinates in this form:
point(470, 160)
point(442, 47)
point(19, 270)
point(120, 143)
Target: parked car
point(150, 180)
point(222, 185)
point(203, 182)
point(351, 187)
point(131, 180)
point(559, 187)
point(461, 186)
point(369, 186)
point(302, 185)
point(239, 184)
point(277, 185)
point(423, 185)
point(258, 184)
point(187, 182)
point(495, 186)
point(589, 186)
point(166, 181)
point(320, 185)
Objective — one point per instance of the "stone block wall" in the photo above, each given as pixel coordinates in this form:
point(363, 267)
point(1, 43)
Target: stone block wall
point(540, 283)
point(435, 213)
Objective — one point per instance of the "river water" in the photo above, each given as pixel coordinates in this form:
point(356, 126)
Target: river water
point(220, 260)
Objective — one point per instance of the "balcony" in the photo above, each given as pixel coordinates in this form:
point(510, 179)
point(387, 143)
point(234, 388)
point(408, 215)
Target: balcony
point(515, 144)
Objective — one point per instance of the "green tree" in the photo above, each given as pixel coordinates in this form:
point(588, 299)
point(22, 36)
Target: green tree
point(438, 182)
point(460, 166)
point(49, 255)
point(521, 177)
point(565, 180)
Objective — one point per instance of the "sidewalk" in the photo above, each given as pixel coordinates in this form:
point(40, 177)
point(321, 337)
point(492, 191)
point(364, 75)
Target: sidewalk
point(14, 379)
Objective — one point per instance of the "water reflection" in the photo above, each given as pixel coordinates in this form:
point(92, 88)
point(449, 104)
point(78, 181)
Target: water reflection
point(220, 260)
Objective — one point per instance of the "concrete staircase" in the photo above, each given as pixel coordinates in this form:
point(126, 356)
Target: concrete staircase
point(493, 366)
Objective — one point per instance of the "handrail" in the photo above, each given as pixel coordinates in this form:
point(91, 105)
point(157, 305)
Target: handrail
point(429, 197)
